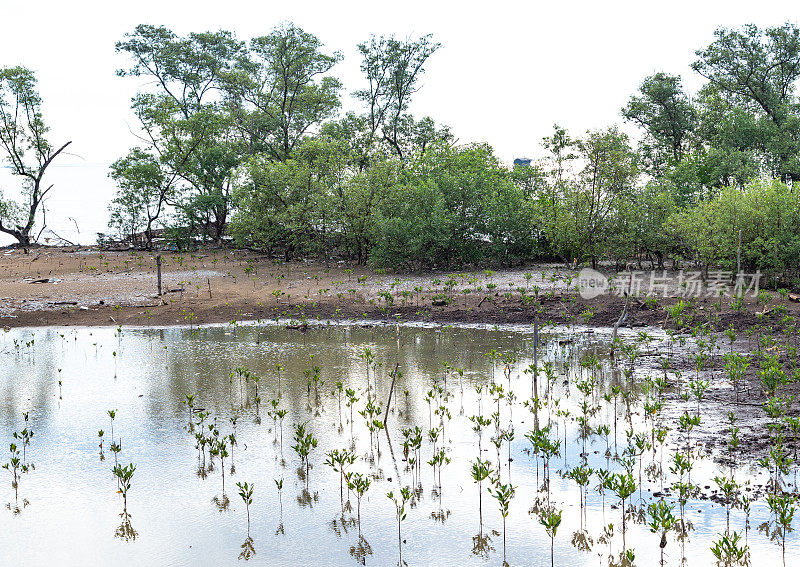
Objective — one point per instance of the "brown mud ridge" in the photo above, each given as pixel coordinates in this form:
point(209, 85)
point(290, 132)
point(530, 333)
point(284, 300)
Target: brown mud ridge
point(89, 287)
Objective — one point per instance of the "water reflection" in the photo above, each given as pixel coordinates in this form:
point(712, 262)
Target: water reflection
point(191, 421)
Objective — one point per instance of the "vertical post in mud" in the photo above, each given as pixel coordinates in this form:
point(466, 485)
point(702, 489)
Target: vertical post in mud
point(391, 389)
point(158, 268)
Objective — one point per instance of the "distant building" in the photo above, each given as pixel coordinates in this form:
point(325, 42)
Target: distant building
point(522, 162)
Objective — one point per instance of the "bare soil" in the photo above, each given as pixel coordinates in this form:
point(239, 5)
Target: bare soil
point(69, 286)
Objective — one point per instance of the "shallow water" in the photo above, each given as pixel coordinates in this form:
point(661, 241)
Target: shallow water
point(145, 374)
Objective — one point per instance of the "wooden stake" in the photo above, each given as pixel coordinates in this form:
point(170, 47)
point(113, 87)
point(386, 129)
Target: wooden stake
point(391, 389)
point(158, 266)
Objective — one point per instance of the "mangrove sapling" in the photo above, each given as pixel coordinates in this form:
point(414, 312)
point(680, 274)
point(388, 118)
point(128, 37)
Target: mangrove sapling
point(246, 493)
point(412, 441)
point(378, 426)
point(100, 435)
point(508, 436)
point(124, 477)
point(257, 398)
point(480, 424)
point(358, 483)
point(189, 401)
point(681, 466)
point(729, 489)
point(699, 388)
point(112, 413)
point(623, 486)
point(339, 460)
point(219, 449)
point(439, 459)
point(400, 513)
point(25, 437)
point(503, 493)
point(231, 437)
point(305, 442)
point(661, 521)
point(550, 518)
point(605, 482)
point(351, 401)
point(686, 423)
point(582, 475)
point(116, 448)
point(17, 468)
point(783, 509)
point(273, 414)
point(480, 471)
point(728, 551)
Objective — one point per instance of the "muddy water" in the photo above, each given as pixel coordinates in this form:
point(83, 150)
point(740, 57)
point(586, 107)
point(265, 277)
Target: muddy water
point(70, 509)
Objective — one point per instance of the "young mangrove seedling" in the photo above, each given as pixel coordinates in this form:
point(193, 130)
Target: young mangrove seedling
point(480, 471)
point(339, 460)
point(550, 518)
point(661, 521)
point(359, 484)
point(305, 442)
point(124, 476)
point(729, 551)
point(400, 513)
point(246, 492)
point(16, 467)
point(503, 493)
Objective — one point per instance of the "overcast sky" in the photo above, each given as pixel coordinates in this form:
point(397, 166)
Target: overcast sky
point(507, 70)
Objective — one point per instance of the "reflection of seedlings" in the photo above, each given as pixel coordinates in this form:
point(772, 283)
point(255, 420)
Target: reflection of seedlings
point(279, 485)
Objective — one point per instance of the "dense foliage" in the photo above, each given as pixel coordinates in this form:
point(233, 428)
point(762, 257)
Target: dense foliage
point(246, 141)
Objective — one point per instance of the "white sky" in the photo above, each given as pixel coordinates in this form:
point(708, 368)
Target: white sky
point(507, 71)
